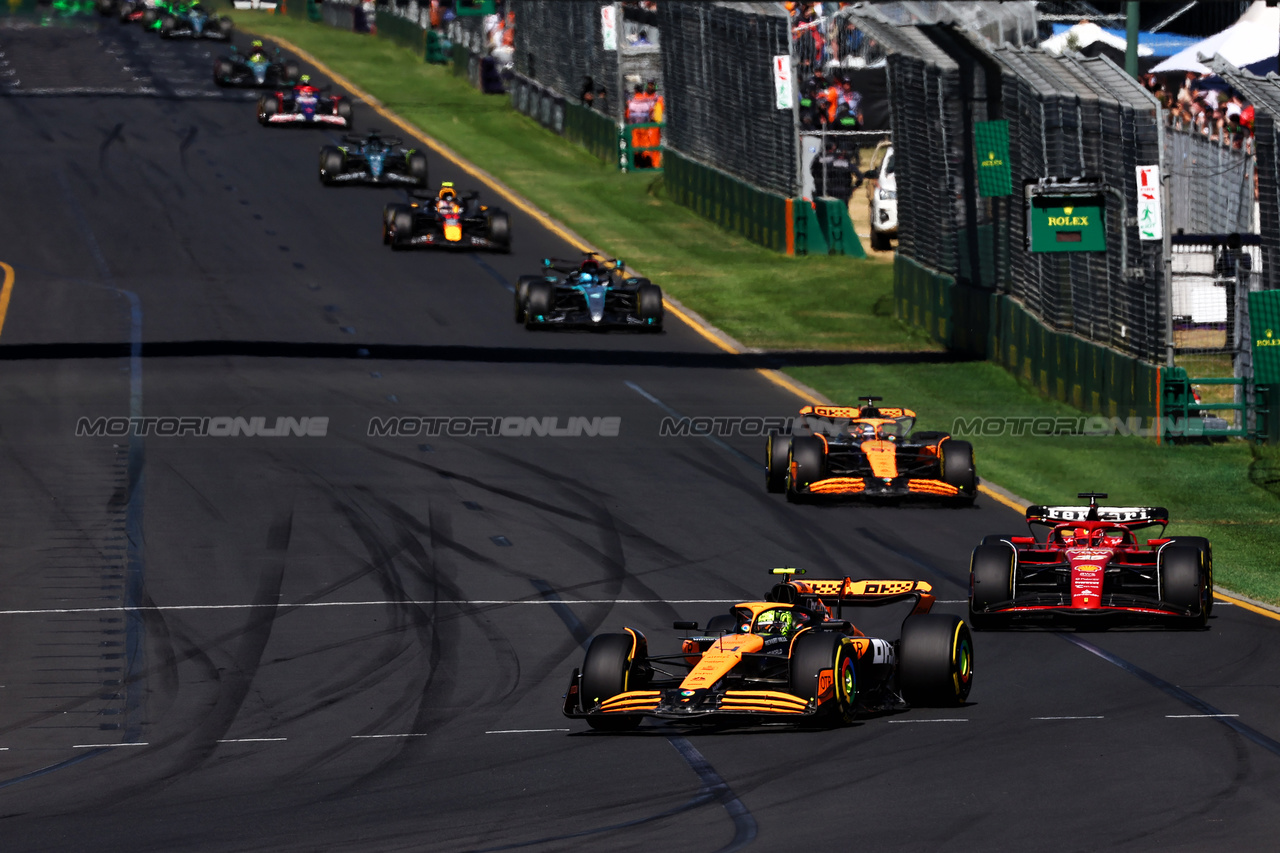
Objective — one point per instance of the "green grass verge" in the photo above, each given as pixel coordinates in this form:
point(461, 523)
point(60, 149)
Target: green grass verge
point(751, 293)
point(1227, 492)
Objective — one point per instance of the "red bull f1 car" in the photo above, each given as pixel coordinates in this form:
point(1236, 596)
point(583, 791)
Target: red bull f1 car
point(446, 220)
point(1090, 565)
point(792, 657)
point(868, 452)
point(593, 293)
point(304, 104)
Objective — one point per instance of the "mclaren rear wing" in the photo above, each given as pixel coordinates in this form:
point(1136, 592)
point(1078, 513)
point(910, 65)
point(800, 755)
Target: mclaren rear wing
point(865, 593)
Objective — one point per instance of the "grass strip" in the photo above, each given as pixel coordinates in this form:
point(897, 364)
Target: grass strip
point(1228, 492)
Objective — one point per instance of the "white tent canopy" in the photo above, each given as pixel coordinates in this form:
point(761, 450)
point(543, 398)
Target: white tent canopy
point(1085, 34)
point(1253, 38)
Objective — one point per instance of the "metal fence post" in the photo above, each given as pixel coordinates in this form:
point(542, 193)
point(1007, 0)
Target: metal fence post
point(1166, 242)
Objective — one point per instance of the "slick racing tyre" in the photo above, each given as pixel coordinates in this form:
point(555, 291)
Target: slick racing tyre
point(332, 163)
point(499, 229)
point(343, 110)
point(417, 167)
point(268, 105)
point(990, 581)
point(149, 17)
point(224, 27)
point(957, 468)
point(811, 657)
point(777, 449)
point(124, 10)
point(388, 221)
point(401, 225)
point(806, 463)
point(935, 660)
point(606, 672)
point(222, 71)
point(540, 302)
point(649, 302)
point(167, 25)
point(291, 73)
point(1206, 561)
point(522, 294)
point(1183, 582)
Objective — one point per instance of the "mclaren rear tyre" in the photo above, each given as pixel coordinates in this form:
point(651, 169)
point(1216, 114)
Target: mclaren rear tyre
point(777, 451)
point(990, 582)
point(541, 297)
point(649, 303)
point(499, 229)
point(605, 673)
point(935, 660)
point(1183, 583)
point(958, 470)
point(522, 294)
point(222, 72)
point(806, 463)
point(332, 163)
point(417, 167)
point(1202, 545)
point(822, 670)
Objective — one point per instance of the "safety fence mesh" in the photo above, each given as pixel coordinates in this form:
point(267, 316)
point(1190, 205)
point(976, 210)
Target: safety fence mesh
point(560, 46)
point(1264, 94)
point(718, 64)
point(1210, 185)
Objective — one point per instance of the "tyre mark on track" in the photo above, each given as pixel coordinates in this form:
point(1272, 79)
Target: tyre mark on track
point(1201, 707)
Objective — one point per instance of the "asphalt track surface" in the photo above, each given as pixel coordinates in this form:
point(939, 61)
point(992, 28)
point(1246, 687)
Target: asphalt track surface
point(359, 643)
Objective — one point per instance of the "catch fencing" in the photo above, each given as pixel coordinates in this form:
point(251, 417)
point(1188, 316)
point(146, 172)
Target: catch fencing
point(1210, 185)
point(1264, 94)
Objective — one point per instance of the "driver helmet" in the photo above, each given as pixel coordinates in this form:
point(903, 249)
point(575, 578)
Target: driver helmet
point(867, 432)
point(447, 191)
point(1082, 536)
point(304, 80)
point(776, 621)
point(257, 44)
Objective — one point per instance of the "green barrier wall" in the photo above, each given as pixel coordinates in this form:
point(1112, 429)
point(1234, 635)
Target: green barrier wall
point(1059, 365)
point(403, 32)
point(837, 227)
point(592, 130)
point(733, 205)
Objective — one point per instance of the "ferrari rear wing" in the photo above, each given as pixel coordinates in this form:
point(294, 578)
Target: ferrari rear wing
point(1132, 517)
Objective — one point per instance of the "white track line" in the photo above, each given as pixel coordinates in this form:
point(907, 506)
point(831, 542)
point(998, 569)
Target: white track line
point(1068, 718)
point(522, 731)
point(160, 608)
point(957, 720)
point(1197, 716)
point(252, 739)
point(104, 745)
point(407, 734)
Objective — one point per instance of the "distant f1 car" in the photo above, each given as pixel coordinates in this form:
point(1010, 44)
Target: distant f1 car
point(192, 21)
point(868, 452)
point(373, 159)
point(255, 70)
point(446, 220)
point(592, 293)
point(304, 104)
point(1090, 566)
point(146, 12)
point(792, 656)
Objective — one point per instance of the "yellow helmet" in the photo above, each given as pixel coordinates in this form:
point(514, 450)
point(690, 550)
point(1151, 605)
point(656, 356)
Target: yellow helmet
point(447, 191)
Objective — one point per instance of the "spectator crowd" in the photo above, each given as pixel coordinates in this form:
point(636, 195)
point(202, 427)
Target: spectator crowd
point(1204, 104)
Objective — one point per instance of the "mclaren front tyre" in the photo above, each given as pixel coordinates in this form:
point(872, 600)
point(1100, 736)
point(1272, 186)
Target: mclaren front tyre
point(806, 463)
point(823, 672)
point(605, 673)
point(777, 451)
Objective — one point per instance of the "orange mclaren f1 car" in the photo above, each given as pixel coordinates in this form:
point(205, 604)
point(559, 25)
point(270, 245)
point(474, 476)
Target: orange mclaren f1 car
point(868, 452)
point(792, 656)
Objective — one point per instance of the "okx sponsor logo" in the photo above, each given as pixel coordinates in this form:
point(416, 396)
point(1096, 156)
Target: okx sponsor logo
point(205, 427)
point(511, 426)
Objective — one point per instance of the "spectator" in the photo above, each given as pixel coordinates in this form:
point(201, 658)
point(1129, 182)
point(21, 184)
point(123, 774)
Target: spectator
point(834, 174)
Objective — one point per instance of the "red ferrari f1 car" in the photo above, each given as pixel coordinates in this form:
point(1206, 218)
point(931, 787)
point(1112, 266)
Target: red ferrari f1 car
point(790, 657)
point(1090, 565)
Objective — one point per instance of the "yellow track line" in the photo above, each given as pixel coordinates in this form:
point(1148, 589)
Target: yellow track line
point(1001, 499)
point(1261, 611)
point(519, 201)
point(5, 292)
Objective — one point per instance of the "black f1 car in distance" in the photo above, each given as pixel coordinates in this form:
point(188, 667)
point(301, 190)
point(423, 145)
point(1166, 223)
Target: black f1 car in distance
point(868, 452)
point(593, 293)
point(304, 104)
point(446, 220)
point(255, 69)
point(1090, 567)
point(374, 159)
point(194, 21)
point(792, 657)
